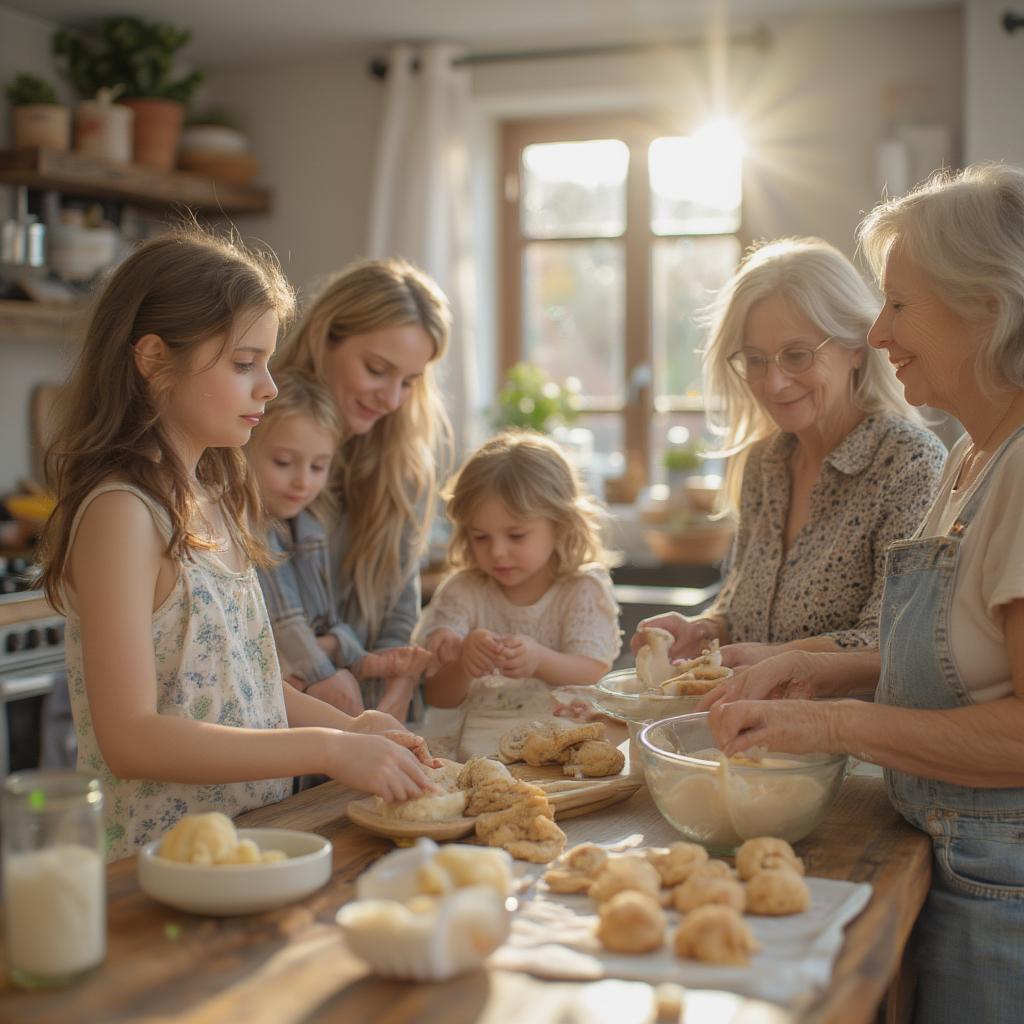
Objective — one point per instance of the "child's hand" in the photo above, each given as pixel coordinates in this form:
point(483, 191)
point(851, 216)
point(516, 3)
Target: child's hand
point(379, 723)
point(341, 690)
point(381, 765)
point(481, 652)
point(393, 661)
point(329, 644)
point(520, 656)
point(446, 647)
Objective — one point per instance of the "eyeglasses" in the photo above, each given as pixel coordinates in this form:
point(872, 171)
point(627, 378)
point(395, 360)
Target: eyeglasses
point(749, 364)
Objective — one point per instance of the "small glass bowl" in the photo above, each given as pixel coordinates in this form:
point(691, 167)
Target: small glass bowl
point(785, 795)
point(619, 696)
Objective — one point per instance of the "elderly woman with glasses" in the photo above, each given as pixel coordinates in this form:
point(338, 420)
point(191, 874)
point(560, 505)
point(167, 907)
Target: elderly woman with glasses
point(828, 464)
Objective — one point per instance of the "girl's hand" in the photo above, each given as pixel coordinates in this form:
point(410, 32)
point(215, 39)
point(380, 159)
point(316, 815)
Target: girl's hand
point(446, 647)
point(380, 723)
point(382, 764)
point(794, 675)
point(396, 697)
point(481, 653)
point(786, 726)
point(341, 690)
point(520, 656)
point(393, 661)
point(689, 638)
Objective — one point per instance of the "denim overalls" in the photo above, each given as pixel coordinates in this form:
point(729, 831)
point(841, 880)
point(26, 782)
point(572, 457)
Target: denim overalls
point(970, 935)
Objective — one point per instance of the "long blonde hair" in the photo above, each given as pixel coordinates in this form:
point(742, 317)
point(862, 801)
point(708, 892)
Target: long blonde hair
point(301, 394)
point(385, 479)
point(186, 287)
point(824, 287)
point(530, 475)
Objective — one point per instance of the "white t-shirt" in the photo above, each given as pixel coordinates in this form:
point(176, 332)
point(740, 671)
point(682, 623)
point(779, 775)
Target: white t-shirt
point(990, 572)
point(576, 615)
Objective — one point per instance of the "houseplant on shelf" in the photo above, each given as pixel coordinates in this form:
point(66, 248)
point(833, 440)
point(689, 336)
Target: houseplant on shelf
point(38, 119)
point(530, 400)
point(138, 56)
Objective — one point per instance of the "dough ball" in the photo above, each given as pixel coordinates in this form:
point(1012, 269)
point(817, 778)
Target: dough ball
point(435, 807)
point(478, 770)
point(594, 759)
point(631, 922)
point(629, 872)
point(700, 889)
point(715, 934)
point(766, 854)
point(777, 893)
point(510, 745)
point(447, 776)
point(201, 839)
point(587, 858)
point(677, 862)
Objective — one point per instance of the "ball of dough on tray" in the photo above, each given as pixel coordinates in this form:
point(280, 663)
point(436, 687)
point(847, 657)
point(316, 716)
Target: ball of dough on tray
point(447, 776)
point(499, 795)
point(700, 889)
point(541, 748)
point(478, 770)
point(631, 922)
point(587, 858)
point(777, 893)
point(766, 854)
point(631, 871)
point(436, 807)
point(510, 745)
point(675, 863)
point(715, 934)
point(594, 759)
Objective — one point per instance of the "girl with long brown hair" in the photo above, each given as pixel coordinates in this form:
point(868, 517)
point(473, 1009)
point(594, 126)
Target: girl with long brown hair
point(175, 686)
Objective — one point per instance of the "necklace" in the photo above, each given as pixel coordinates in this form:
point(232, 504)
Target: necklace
point(976, 448)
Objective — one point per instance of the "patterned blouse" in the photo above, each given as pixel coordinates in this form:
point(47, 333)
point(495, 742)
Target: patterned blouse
point(874, 488)
point(215, 662)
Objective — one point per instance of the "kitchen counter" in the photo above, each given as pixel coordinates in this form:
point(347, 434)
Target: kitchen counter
point(290, 966)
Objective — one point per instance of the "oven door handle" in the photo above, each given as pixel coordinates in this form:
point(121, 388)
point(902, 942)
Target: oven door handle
point(17, 687)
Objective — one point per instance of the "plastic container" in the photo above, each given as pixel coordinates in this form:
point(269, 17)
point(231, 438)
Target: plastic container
point(720, 805)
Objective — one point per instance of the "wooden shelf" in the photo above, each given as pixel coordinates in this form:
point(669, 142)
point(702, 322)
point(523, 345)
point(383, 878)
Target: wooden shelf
point(22, 320)
point(78, 175)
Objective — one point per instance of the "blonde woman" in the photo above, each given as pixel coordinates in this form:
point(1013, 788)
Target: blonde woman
point(829, 465)
point(373, 336)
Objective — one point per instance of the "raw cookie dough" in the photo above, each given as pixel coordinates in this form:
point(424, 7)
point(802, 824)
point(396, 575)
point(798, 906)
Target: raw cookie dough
point(777, 893)
point(766, 854)
point(676, 862)
point(631, 922)
point(630, 871)
point(594, 759)
point(715, 934)
point(701, 889)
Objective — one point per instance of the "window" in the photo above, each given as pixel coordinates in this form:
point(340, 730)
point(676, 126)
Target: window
point(616, 233)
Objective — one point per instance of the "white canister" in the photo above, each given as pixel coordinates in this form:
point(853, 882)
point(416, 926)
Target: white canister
point(54, 873)
point(104, 129)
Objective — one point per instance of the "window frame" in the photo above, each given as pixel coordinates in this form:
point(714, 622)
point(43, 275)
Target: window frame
point(637, 131)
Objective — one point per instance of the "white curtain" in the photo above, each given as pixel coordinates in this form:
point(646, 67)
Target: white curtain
point(421, 200)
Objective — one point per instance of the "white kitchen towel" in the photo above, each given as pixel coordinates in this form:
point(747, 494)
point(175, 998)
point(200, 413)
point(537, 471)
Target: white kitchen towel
point(553, 937)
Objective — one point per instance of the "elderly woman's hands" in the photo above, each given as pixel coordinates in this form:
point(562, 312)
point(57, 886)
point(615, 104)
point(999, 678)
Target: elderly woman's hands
point(793, 674)
point(786, 726)
point(690, 636)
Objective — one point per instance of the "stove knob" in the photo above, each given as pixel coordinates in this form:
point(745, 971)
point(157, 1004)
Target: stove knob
point(54, 636)
point(32, 638)
point(13, 643)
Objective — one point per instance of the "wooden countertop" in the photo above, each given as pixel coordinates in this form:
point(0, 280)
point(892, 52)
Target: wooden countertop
point(290, 966)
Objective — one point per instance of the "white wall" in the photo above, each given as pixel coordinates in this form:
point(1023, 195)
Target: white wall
point(24, 47)
point(993, 84)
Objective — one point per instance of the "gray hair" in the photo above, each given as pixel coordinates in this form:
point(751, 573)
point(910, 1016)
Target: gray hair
point(821, 284)
point(965, 233)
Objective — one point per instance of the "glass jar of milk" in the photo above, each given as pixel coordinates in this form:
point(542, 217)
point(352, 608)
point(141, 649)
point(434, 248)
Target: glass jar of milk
point(54, 877)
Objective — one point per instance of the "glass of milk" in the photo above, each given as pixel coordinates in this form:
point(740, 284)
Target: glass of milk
point(54, 877)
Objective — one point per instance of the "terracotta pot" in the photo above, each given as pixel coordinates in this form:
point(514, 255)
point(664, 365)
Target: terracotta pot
point(104, 130)
point(46, 125)
point(157, 130)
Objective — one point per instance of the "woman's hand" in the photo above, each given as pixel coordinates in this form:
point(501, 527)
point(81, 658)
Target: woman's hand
point(393, 661)
point(385, 765)
point(740, 655)
point(787, 726)
point(689, 637)
point(481, 653)
point(330, 645)
point(796, 675)
point(340, 690)
point(397, 694)
point(446, 647)
point(520, 656)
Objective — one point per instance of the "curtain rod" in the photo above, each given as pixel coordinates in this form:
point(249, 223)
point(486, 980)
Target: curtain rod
point(759, 38)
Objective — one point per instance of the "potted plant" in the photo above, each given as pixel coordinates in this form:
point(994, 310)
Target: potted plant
point(530, 400)
point(682, 460)
point(39, 120)
point(138, 56)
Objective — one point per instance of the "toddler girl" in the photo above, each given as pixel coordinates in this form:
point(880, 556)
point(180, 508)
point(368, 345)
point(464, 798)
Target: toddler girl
point(530, 601)
point(175, 686)
point(291, 453)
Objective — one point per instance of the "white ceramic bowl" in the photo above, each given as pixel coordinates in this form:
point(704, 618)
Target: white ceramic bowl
point(786, 795)
point(227, 889)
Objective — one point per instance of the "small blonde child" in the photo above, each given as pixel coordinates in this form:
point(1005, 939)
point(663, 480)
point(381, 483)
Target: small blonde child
point(175, 687)
point(291, 452)
point(529, 600)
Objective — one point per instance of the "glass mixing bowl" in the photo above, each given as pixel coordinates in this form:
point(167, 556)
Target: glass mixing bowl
point(721, 805)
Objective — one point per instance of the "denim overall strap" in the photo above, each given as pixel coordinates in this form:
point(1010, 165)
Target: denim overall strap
point(970, 936)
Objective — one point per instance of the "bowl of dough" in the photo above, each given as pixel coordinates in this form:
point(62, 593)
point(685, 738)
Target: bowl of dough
point(428, 913)
point(656, 688)
point(203, 865)
point(721, 801)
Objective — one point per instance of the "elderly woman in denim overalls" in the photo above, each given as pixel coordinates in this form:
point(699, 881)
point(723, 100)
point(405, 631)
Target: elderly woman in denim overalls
point(947, 721)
